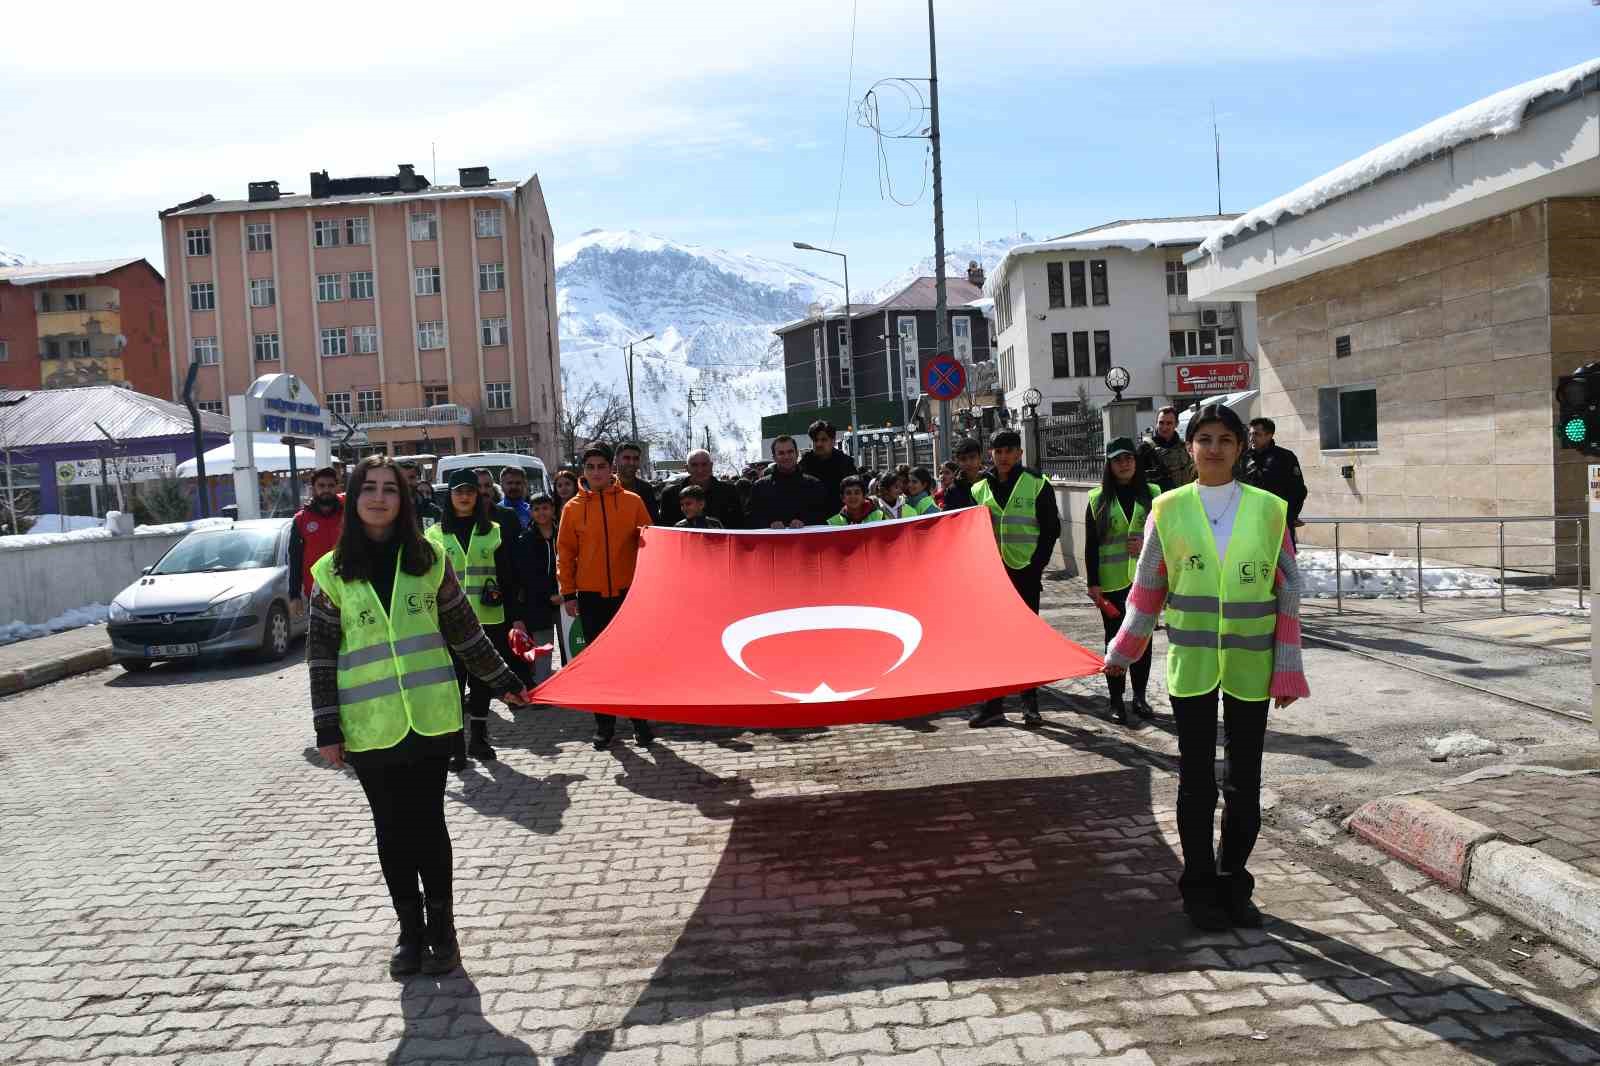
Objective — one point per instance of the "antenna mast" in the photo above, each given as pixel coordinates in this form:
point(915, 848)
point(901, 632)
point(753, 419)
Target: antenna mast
point(1216, 143)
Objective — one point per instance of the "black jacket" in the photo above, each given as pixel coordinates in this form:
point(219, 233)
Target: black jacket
point(703, 522)
point(958, 495)
point(830, 471)
point(1045, 511)
point(1278, 471)
point(427, 509)
point(535, 560)
point(647, 492)
point(783, 498)
point(722, 503)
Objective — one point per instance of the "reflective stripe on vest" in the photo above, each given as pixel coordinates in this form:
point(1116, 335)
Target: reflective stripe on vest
point(1222, 615)
point(395, 672)
point(841, 519)
point(1116, 565)
point(474, 567)
point(1016, 526)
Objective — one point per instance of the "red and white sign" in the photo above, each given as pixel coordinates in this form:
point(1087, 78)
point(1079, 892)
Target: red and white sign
point(813, 627)
point(1213, 377)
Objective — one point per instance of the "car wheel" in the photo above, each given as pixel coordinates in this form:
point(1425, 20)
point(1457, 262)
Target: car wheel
point(135, 666)
point(275, 634)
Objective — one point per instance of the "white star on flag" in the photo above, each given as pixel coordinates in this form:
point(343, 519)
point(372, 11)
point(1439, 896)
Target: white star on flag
point(822, 694)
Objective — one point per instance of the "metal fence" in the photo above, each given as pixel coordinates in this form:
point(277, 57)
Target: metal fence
point(1485, 561)
point(1068, 446)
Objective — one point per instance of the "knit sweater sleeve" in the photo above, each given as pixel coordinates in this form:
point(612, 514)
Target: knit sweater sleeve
point(1145, 600)
point(466, 637)
point(1288, 666)
point(323, 634)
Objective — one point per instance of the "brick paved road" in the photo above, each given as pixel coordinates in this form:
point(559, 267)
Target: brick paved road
point(184, 883)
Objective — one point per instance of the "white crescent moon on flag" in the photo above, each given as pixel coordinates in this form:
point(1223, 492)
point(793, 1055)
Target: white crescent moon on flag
point(903, 627)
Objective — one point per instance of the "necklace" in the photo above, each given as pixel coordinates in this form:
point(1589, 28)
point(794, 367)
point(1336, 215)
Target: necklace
point(1232, 499)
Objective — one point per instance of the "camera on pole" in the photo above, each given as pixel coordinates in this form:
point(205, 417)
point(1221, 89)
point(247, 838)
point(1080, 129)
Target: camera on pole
point(1578, 409)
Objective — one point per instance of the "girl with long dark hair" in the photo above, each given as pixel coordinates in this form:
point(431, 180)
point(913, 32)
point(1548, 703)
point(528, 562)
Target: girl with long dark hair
point(1217, 554)
point(386, 612)
point(1113, 535)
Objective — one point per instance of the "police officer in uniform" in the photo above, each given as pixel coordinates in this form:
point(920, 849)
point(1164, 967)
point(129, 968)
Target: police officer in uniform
point(1027, 525)
point(1275, 469)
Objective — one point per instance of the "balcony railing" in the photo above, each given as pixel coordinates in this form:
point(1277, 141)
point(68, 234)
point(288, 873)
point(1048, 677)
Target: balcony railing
point(444, 414)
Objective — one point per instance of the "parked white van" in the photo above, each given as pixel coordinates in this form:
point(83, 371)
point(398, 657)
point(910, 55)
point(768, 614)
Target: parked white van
point(538, 476)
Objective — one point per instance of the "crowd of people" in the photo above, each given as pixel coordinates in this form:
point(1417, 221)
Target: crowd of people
point(413, 608)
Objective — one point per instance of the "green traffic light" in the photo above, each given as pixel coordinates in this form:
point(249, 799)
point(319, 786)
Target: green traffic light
point(1576, 430)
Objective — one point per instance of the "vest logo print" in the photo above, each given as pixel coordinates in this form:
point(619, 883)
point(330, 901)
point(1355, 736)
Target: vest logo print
point(1194, 562)
point(1247, 573)
point(312, 526)
point(367, 618)
point(419, 604)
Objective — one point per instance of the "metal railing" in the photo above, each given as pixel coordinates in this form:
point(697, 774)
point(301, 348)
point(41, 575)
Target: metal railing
point(1542, 556)
point(444, 414)
point(1068, 446)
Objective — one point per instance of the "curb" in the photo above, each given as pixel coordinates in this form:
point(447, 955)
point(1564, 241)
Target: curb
point(1546, 894)
point(48, 670)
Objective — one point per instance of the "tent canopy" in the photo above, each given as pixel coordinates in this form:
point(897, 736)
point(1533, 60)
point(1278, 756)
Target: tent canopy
point(272, 456)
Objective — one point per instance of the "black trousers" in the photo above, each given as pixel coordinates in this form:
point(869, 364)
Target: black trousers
point(407, 800)
point(1141, 669)
point(1244, 724)
point(1030, 586)
point(475, 691)
point(596, 612)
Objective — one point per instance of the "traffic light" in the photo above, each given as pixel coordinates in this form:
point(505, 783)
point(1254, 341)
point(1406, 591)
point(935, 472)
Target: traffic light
point(1578, 409)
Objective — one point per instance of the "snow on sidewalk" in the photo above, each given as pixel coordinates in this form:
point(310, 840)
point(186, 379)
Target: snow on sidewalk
point(1378, 576)
point(94, 614)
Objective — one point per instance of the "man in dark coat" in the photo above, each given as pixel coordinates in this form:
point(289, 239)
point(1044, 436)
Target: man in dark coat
point(722, 497)
point(787, 497)
point(827, 463)
point(1275, 469)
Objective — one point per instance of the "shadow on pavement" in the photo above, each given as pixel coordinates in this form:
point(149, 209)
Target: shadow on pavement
point(444, 1021)
point(537, 804)
point(207, 669)
point(666, 775)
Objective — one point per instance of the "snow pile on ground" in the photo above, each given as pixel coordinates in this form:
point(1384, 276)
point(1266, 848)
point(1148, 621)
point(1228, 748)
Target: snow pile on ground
point(94, 614)
point(1377, 576)
point(100, 532)
point(1460, 745)
point(63, 523)
point(1493, 116)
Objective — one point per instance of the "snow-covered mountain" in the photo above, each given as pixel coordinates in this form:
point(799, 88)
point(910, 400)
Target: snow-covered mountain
point(955, 265)
point(712, 313)
point(10, 258)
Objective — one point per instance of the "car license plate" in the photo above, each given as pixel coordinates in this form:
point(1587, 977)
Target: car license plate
point(171, 651)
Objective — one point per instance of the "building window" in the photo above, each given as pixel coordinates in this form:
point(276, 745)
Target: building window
point(1058, 287)
point(262, 292)
point(434, 395)
point(258, 236)
point(491, 277)
point(360, 284)
point(487, 221)
point(330, 287)
point(1348, 416)
point(202, 296)
point(197, 241)
point(325, 233)
point(1178, 341)
point(339, 403)
point(497, 396)
point(205, 351)
point(5, 352)
point(1080, 354)
point(1177, 278)
point(424, 226)
point(364, 339)
point(425, 281)
point(212, 406)
point(1225, 340)
point(356, 230)
point(76, 301)
point(1060, 362)
point(369, 401)
point(1008, 370)
point(1102, 352)
point(266, 348)
point(50, 350)
point(819, 365)
point(430, 335)
point(78, 347)
point(335, 341)
point(494, 332)
point(1099, 285)
point(1341, 346)
point(910, 369)
point(846, 369)
point(1080, 295)
point(961, 338)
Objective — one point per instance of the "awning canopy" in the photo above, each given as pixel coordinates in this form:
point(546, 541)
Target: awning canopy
point(272, 456)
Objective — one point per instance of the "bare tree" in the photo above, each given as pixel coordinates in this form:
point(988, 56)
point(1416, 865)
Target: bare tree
point(592, 413)
point(18, 506)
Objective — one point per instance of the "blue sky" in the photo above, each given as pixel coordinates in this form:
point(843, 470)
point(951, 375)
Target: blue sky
point(720, 122)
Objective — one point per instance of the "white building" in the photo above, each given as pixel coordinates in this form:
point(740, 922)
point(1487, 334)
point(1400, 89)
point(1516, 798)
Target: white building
point(1069, 309)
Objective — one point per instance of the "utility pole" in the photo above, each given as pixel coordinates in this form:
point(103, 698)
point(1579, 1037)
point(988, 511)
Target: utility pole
point(941, 315)
point(633, 412)
point(1216, 143)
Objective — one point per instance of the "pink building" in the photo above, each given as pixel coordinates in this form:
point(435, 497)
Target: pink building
point(426, 314)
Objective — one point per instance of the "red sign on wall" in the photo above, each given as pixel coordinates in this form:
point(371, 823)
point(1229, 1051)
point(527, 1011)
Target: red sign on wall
point(1213, 377)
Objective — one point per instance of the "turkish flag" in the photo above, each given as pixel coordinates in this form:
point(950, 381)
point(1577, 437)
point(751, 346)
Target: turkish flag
point(818, 626)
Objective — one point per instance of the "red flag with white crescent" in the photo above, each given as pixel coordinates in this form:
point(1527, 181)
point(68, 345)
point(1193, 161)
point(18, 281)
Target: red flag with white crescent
point(820, 626)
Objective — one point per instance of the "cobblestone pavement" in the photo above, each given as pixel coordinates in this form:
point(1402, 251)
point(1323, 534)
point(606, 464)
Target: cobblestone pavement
point(186, 883)
point(1552, 811)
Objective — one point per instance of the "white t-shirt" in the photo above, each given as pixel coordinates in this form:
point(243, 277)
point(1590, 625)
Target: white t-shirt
point(1221, 502)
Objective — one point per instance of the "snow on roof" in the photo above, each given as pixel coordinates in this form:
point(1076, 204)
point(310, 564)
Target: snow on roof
point(68, 416)
point(39, 273)
point(920, 295)
point(1493, 116)
point(1132, 235)
point(498, 190)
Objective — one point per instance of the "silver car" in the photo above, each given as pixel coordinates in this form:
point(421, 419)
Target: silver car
point(215, 591)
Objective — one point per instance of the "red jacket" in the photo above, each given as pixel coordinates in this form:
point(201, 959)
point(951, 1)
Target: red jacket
point(314, 536)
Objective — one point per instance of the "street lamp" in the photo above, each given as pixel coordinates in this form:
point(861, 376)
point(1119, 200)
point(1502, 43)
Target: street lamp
point(633, 414)
point(848, 332)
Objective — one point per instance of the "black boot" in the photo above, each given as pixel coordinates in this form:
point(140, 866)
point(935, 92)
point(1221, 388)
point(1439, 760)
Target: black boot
point(1233, 895)
point(1119, 711)
point(1142, 708)
point(443, 952)
point(407, 957)
point(458, 752)
point(643, 734)
point(478, 740)
point(1200, 903)
point(1030, 711)
point(991, 713)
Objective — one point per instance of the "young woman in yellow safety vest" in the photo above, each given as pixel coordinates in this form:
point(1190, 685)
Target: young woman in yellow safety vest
point(1113, 533)
point(1217, 554)
point(919, 493)
point(386, 612)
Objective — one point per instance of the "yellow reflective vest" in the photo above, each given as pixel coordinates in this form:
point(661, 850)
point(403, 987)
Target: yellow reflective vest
point(1222, 614)
point(842, 519)
point(1016, 526)
point(395, 673)
point(1116, 565)
point(474, 567)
